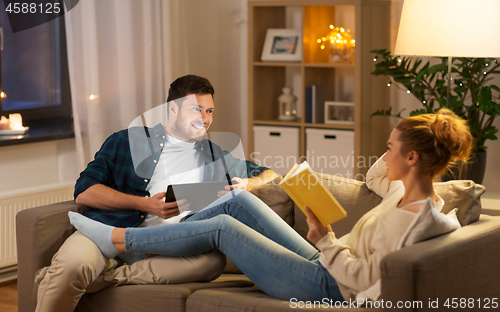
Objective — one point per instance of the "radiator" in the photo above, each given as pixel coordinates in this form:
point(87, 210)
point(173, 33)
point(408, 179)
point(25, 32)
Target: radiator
point(13, 202)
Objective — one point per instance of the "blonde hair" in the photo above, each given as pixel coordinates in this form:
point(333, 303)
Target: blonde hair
point(440, 140)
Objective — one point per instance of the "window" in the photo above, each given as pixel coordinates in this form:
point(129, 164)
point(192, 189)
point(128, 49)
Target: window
point(34, 78)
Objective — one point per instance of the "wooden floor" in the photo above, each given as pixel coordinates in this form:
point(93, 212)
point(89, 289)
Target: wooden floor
point(8, 297)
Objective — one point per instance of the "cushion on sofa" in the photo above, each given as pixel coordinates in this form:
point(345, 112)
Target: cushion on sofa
point(464, 195)
point(153, 297)
point(254, 300)
point(277, 199)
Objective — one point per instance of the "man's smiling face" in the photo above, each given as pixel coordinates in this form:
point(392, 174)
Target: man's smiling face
point(191, 122)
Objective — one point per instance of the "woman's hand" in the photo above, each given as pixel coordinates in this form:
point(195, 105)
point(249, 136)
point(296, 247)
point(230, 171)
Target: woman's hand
point(237, 183)
point(316, 230)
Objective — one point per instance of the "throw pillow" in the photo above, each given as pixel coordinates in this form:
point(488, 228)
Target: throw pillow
point(464, 195)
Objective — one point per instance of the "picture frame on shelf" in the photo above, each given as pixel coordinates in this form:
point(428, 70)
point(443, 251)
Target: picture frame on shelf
point(341, 113)
point(282, 44)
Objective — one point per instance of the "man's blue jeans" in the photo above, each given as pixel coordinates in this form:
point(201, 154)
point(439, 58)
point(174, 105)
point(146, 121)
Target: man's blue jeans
point(268, 251)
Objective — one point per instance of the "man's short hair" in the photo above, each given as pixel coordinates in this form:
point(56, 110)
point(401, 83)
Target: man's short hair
point(189, 84)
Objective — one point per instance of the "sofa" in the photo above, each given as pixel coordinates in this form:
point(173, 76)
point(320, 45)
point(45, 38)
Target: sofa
point(440, 272)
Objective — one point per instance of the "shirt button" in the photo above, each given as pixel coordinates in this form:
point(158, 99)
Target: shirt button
point(142, 216)
point(146, 180)
point(161, 144)
point(163, 136)
point(155, 161)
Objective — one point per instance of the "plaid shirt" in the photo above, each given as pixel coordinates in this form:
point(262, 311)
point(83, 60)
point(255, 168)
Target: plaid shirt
point(127, 160)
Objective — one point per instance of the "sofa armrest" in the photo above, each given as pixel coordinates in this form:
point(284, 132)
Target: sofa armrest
point(461, 264)
point(40, 231)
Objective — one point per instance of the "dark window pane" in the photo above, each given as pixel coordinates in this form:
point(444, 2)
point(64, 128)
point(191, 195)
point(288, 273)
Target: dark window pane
point(31, 66)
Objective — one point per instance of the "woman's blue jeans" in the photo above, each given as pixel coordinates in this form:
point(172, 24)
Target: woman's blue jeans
point(268, 251)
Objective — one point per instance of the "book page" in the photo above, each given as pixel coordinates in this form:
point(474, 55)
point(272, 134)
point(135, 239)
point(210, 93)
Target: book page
point(303, 166)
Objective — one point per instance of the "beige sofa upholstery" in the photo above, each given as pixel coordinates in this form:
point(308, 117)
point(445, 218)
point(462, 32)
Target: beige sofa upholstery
point(461, 264)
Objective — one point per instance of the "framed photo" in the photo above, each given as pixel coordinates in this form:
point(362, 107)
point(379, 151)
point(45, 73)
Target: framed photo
point(339, 113)
point(282, 45)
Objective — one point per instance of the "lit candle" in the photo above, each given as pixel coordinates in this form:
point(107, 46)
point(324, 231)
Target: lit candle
point(4, 123)
point(16, 122)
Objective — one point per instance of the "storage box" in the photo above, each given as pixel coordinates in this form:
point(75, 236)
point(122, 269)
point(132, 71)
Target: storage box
point(339, 113)
point(276, 147)
point(331, 151)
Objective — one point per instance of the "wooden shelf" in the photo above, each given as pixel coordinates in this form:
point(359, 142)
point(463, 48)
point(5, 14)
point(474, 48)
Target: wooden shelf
point(329, 126)
point(369, 22)
point(277, 123)
point(302, 124)
point(328, 65)
point(277, 64)
point(306, 65)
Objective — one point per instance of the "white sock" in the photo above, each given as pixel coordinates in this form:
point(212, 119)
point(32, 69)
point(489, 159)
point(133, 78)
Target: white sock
point(98, 232)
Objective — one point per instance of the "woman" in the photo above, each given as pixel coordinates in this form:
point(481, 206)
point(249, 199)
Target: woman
point(286, 266)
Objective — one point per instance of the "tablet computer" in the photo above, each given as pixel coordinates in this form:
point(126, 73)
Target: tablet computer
point(198, 195)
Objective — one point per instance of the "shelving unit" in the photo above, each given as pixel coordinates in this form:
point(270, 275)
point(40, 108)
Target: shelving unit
point(370, 25)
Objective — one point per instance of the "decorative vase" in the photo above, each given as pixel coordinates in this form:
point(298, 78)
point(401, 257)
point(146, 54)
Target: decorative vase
point(287, 102)
point(473, 170)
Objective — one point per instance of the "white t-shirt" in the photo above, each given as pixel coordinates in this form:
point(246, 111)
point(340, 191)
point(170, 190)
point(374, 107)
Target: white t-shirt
point(179, 163)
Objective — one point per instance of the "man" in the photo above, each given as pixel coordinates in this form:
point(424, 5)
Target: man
point(125, 186)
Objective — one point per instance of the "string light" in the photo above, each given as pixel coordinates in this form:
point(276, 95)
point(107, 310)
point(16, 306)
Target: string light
point(389, 84)
point(424, 101)
point(408, 91)
point(375, 59)
point(341, 44)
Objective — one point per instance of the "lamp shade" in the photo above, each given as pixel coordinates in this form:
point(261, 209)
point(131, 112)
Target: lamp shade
point(456, 28)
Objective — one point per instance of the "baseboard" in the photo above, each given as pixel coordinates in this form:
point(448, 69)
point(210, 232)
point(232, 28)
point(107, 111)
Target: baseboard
point(8, 274)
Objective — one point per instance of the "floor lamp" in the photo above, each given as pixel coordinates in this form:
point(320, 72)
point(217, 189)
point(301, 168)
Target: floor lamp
point(449, 28)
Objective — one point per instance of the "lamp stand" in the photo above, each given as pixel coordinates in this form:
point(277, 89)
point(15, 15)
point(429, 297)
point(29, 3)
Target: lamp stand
point(449, 82)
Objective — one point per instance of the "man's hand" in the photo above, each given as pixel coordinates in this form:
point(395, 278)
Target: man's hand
point(316, 230)
point(237, 183)
point(156, 205)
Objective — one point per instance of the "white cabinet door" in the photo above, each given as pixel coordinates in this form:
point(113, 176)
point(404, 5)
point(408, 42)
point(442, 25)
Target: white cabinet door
point(331, 151)
point(276, 147)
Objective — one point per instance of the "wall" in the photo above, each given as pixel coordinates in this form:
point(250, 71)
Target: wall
point(37, 164)
point(211, 33)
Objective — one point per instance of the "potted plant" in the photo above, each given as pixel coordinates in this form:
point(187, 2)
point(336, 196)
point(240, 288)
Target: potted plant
point(471, 96)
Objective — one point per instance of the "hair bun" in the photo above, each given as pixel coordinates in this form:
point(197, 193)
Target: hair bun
point(451, 134)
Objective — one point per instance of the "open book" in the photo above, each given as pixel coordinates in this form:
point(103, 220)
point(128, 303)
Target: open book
point(304, 187)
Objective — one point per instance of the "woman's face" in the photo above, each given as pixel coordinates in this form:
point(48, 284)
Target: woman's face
point(397, 164)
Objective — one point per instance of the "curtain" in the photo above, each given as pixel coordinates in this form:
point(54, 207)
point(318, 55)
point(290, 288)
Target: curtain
point(119, 56)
